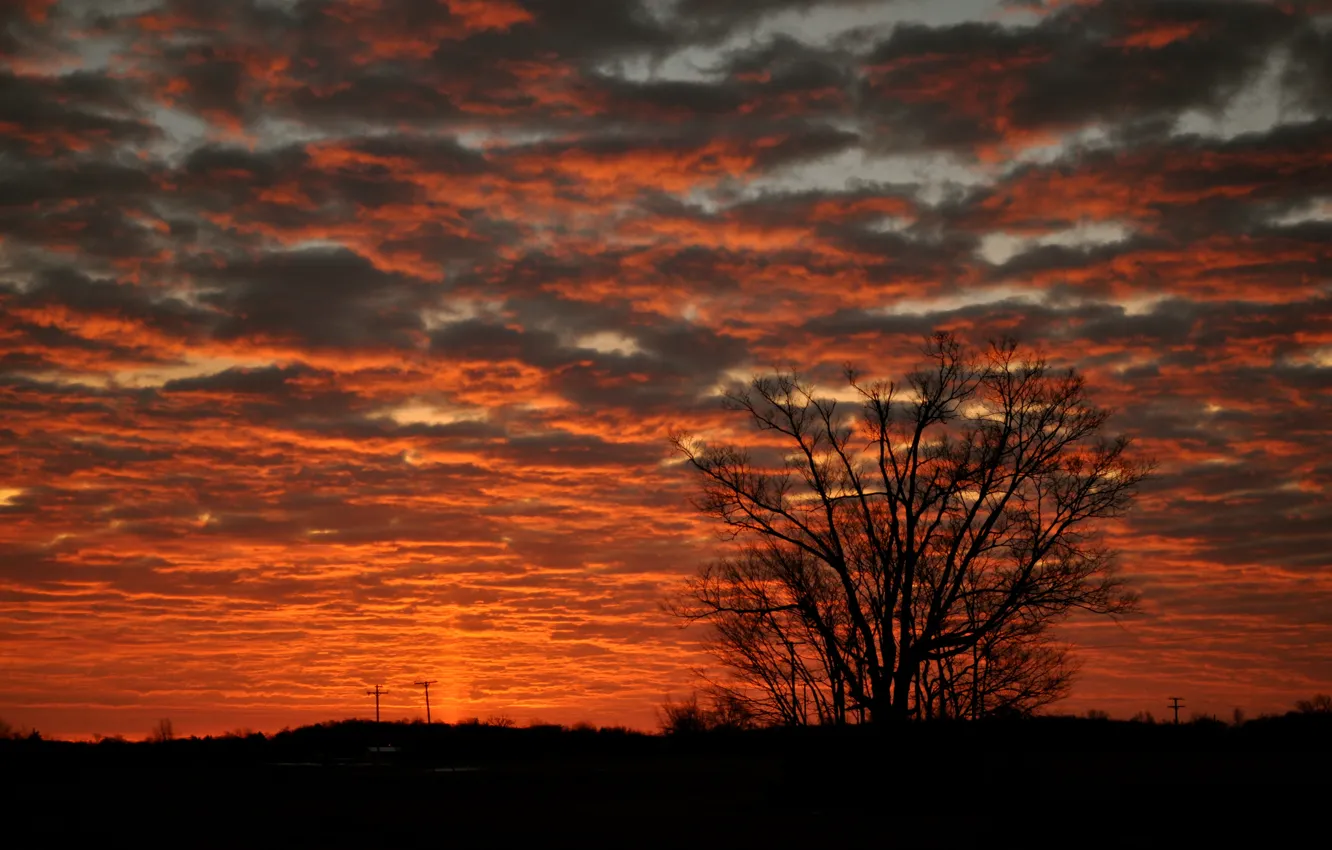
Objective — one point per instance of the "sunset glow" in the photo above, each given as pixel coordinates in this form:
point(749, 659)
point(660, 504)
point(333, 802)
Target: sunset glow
point(340, 341)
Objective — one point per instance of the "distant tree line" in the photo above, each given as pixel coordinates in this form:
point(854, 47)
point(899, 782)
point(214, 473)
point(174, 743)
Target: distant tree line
point(717, 710)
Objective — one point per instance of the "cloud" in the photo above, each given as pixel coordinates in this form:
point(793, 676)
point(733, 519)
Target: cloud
point(992, 90)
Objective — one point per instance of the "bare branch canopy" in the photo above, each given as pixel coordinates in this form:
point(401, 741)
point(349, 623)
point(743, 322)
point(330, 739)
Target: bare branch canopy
point(908, 558)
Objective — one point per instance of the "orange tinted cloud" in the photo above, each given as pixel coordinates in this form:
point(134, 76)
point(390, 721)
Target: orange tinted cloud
point(1184, 174)
point(1158, 35)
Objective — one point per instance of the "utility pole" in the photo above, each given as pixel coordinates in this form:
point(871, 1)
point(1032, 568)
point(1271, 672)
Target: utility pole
point(426, 684)
point(377, 692)
point(1176, 705)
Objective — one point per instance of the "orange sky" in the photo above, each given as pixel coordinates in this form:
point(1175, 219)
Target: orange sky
point(340, 340)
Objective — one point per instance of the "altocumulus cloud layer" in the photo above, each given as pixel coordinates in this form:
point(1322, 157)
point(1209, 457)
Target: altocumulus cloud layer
point(339, 339)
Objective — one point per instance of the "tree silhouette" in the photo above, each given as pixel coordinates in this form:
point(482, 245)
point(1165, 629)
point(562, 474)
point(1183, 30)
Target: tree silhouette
point(685, 717)
point(163, 732)
point(723, 712)
point(909, 560)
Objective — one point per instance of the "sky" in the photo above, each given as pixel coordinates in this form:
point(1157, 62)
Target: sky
point(340, 340)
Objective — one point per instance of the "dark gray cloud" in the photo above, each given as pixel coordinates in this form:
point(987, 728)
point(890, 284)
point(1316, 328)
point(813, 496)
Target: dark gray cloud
point(1308, 74)
point(981, 85)
point(319, 297)
point(51, 117)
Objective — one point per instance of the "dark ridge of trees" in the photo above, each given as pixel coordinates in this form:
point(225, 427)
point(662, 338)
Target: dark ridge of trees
point(348, 742)
point(909, 558)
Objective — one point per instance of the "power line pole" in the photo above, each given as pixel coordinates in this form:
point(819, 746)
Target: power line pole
point(377, 692)
point(426, 684)
point(1176, 705)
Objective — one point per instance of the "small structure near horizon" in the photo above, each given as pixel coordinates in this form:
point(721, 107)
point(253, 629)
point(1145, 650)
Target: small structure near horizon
point(1176, 705)
point(378, 693)
point(426, 684)
point(381, 755)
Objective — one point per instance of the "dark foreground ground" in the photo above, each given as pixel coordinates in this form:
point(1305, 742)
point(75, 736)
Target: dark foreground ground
point(1166, 788)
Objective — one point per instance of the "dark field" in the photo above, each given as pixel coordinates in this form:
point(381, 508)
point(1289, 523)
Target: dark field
point(929, 787)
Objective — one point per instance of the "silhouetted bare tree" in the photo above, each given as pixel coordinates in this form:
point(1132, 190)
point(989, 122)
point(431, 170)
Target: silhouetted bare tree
point(722, 712)
point(685, 717)
point(1015, 669)
point(909, 560)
